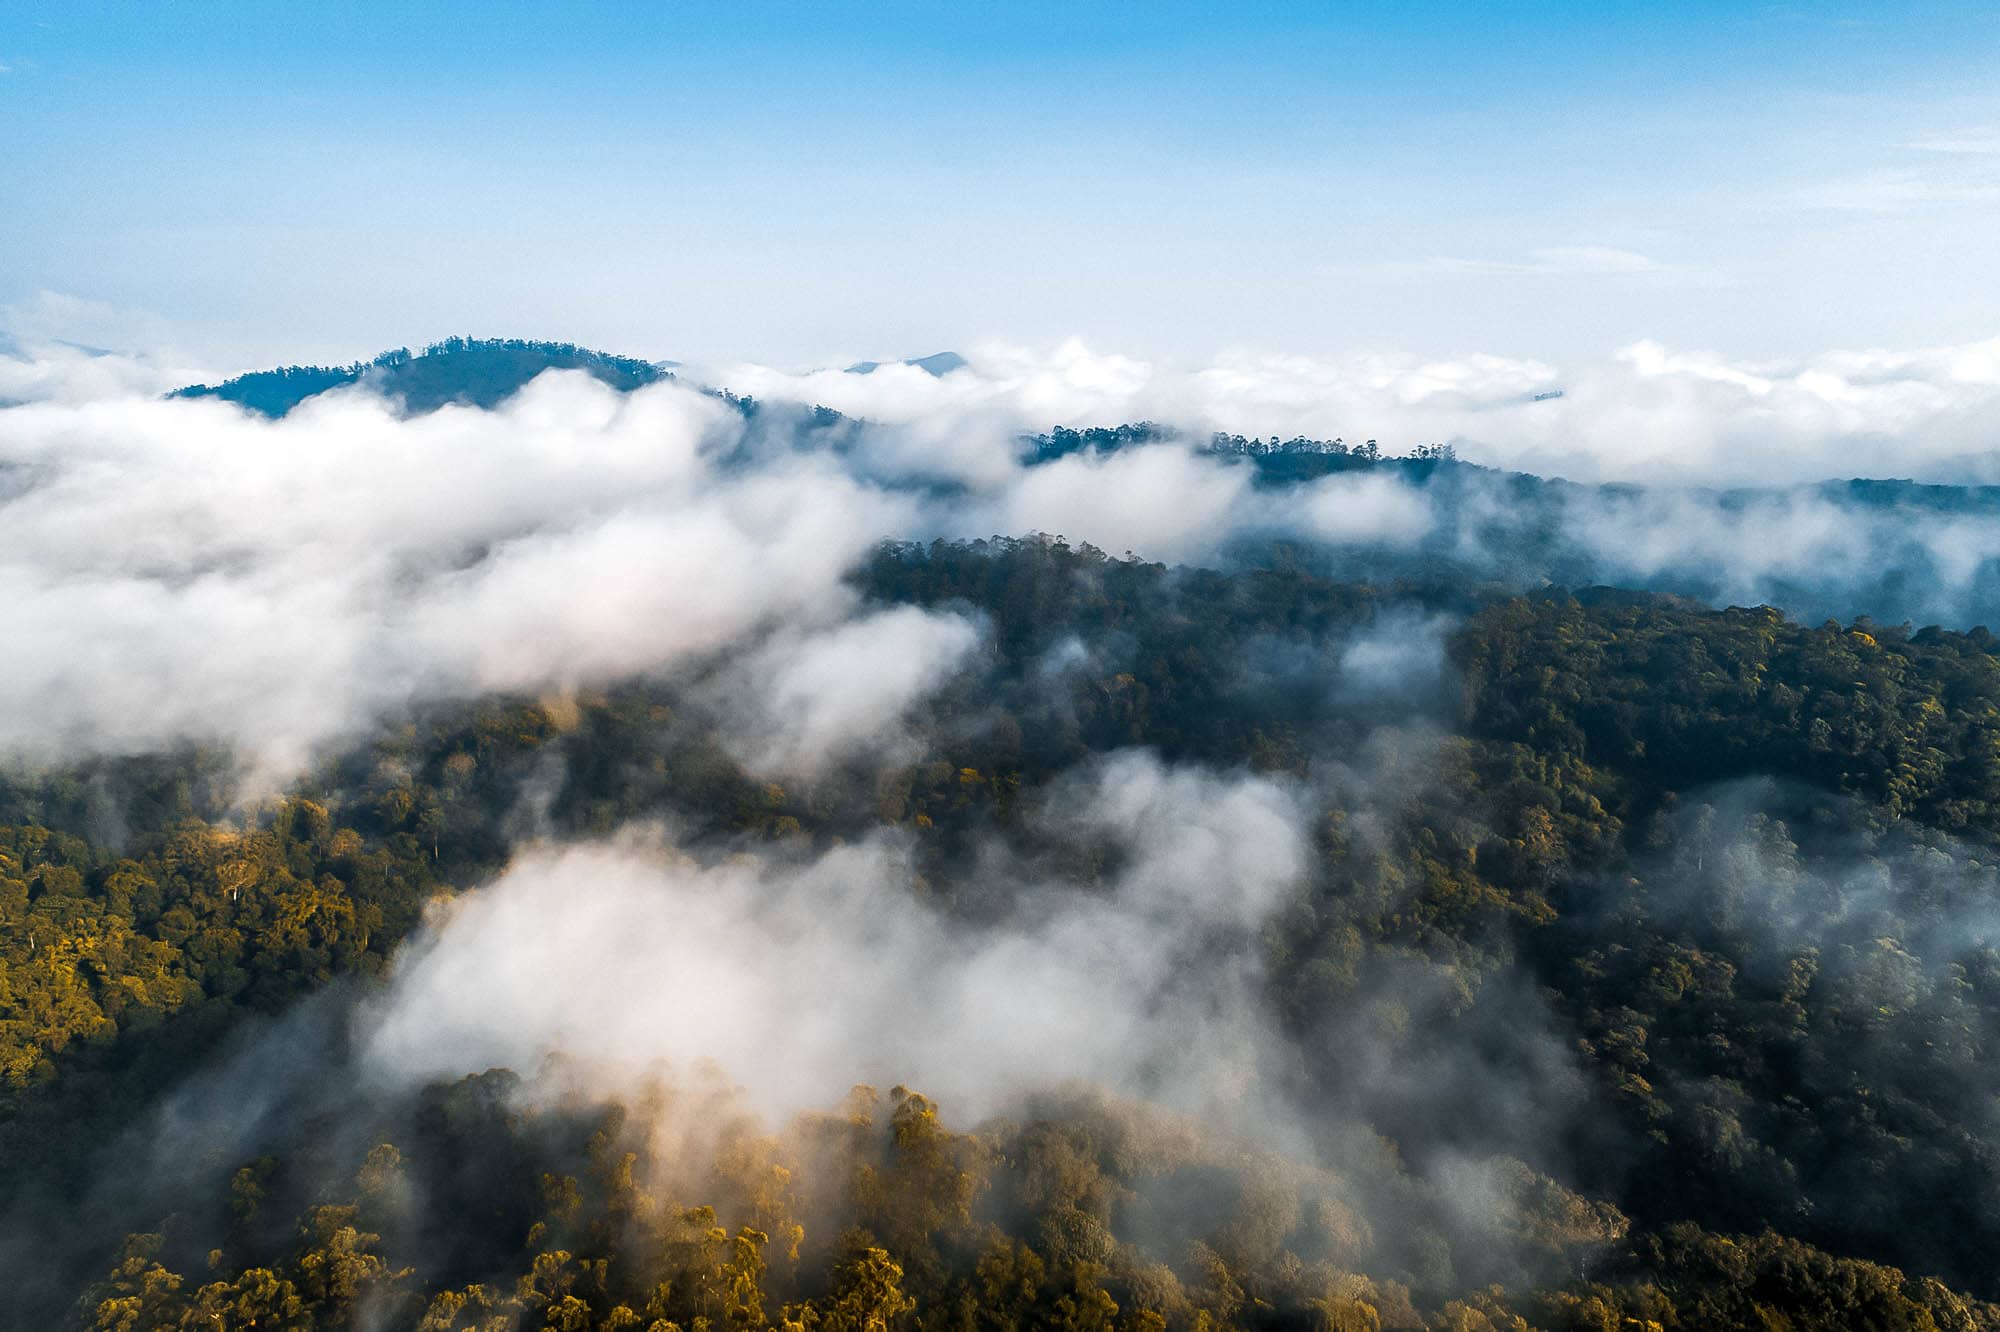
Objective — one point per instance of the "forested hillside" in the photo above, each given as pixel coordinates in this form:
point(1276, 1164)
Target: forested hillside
point(1288, 667)
point(1894, 550)
point(552, 863)
point(1698, 900)
point(475, 372)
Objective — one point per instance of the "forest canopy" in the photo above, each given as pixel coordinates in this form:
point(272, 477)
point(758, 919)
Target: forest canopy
point(708, 917)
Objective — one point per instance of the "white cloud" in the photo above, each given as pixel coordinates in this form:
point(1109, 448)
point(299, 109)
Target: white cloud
point(1066, 384)
point(806, 698)
point(62, 348)
point(1645, 412)
point(1165, 502)
point(184, 568)
point(795, 980)
point(1360, 508)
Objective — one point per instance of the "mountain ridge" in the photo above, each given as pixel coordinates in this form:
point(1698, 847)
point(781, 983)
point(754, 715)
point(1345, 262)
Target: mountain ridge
point(476, 372)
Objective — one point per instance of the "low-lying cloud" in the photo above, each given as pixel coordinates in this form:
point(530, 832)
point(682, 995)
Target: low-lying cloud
point(806, 699)
point(633, 961)
point(1646, 412)
point(183, 569)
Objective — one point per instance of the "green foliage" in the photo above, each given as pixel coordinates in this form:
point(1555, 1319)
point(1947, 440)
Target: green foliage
point(1669, 696)
point(1814, 1091)
point(95, 946)
point(601, 1258)
point(480, 372)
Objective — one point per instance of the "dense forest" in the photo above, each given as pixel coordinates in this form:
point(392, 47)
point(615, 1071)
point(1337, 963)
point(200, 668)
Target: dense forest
point(476, 372)
point(1409, 939)
point(1780, 1122)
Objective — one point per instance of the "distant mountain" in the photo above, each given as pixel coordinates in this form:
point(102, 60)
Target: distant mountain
point(939, 364)
point(1905, 551)
point(470, 371)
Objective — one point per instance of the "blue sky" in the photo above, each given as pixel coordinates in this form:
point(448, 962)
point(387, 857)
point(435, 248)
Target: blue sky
point(804, 183)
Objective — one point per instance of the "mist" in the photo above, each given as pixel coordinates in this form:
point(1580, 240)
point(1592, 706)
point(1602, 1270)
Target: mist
point(1792, 900)
point(1270, 934)
point(358, 560)
point(1645, 412)
point(728, 999)
point(797, 980)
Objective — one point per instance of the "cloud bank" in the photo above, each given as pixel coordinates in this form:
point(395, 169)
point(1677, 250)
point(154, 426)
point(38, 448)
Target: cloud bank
point(1645, 413)
point(631, 960)
point(181, 569)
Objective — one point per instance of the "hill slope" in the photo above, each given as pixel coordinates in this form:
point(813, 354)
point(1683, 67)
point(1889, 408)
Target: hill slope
point(471, 371)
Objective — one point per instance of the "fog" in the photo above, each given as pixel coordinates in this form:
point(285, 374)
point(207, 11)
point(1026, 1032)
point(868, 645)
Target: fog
point(182, 570)
point(797, 980)
point(292, 582)
point(1642, 412)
